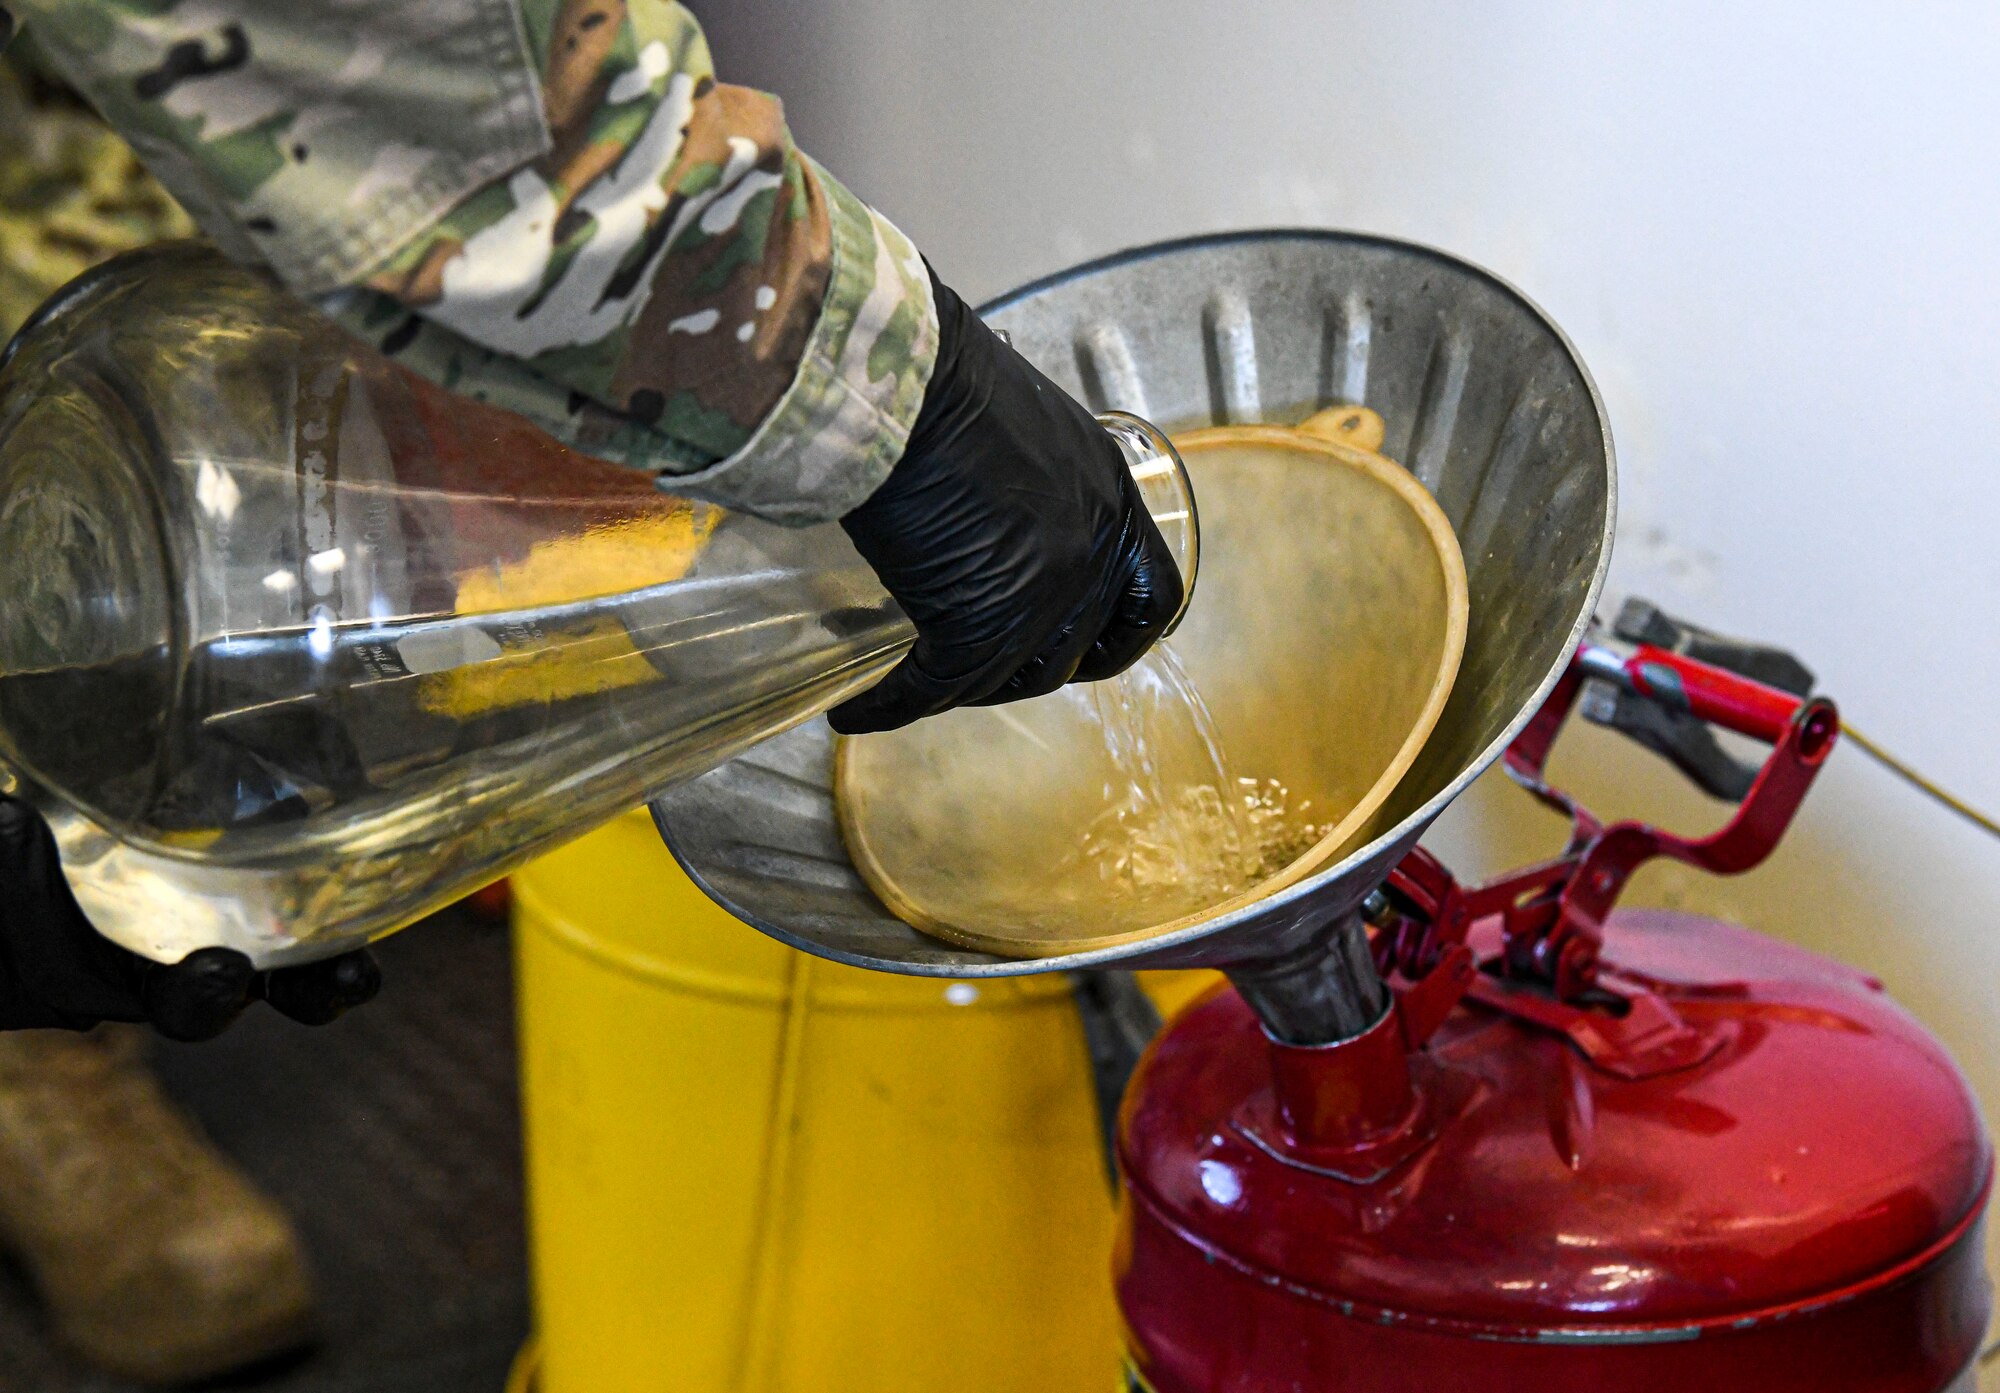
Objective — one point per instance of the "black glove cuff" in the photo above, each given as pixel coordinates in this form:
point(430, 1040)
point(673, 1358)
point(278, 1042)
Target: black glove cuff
point(959, 333)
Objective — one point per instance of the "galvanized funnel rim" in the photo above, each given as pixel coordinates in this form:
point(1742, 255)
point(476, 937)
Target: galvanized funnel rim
point(1165, 950)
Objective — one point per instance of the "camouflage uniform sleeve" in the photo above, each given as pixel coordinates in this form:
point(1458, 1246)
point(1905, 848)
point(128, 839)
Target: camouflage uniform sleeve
point(547, 204)
point(71, 195)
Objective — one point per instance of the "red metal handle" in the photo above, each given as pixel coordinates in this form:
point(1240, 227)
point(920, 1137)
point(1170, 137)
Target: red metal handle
point(1713, 694)
point(1552, 914)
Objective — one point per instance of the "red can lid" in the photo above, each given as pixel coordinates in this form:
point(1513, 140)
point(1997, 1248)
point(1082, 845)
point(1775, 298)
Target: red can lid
point(1827, 1142)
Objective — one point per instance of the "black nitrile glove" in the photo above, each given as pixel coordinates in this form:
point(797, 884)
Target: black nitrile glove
point(56, 970)
point(1012, 535)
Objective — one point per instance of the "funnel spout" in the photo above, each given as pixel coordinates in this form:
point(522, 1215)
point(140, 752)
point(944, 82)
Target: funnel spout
point(1320, 994)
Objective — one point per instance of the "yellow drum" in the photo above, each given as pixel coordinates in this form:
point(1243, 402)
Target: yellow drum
point(753, 1171)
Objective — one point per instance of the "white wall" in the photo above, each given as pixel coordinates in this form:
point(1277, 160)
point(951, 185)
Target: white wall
point(1772, 229)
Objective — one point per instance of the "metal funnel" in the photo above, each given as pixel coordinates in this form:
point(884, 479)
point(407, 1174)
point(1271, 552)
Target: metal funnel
point(1484, 401)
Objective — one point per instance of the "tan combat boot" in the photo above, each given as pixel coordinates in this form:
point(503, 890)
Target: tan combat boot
point(158, 1261)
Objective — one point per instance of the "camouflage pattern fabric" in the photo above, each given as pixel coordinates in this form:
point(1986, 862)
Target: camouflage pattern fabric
point(71, 195)
point(547, 204)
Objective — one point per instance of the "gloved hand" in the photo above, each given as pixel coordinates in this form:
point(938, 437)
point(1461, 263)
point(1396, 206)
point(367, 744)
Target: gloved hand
point(1012, 535)
point(56, 970)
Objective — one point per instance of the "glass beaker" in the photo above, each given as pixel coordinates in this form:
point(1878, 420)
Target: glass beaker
point(296, 646)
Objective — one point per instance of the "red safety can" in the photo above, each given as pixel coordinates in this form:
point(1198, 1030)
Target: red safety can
point(1792, 1203)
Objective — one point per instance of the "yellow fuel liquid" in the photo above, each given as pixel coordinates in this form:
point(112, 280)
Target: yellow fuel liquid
point(1179, 828)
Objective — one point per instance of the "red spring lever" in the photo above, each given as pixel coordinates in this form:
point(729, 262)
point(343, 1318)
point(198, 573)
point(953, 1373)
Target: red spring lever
point(1713, 694)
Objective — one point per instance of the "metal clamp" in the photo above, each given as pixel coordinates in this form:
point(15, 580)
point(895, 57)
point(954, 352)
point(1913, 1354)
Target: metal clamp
point(1677, 736)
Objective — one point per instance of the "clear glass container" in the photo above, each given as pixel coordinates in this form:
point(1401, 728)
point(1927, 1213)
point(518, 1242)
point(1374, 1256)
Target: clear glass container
point(296, 647)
